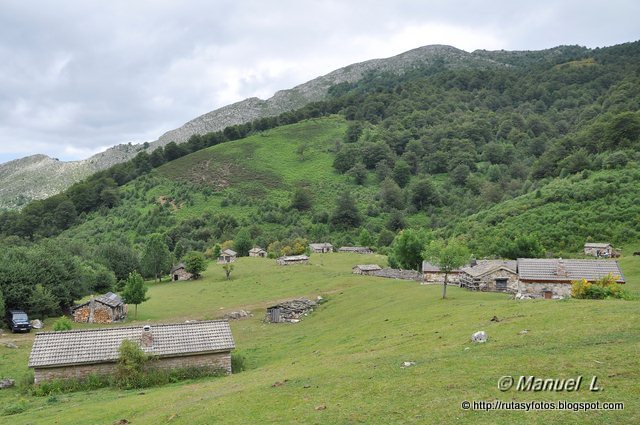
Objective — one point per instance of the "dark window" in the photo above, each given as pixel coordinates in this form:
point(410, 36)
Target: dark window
point(501, 284)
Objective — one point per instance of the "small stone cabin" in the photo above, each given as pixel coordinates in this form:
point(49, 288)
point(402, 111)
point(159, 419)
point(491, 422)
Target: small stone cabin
point(356, 249)
point(227, 256)
point(80, 353)
point(432, 274)
point(490, 275)
point(599, 249)
point(366, 269)
point(551, 278)
point(257, 252)
point(180, 272)
point(107, 308)
point(292, 259)
point(321, 248)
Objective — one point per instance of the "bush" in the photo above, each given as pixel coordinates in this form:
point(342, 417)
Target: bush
point(605, 287)
point(237, 363)
point(62, 324)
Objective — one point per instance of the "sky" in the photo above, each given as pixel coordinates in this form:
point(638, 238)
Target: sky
point(79, 76)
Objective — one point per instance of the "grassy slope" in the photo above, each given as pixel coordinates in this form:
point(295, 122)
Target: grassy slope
point(350, 350)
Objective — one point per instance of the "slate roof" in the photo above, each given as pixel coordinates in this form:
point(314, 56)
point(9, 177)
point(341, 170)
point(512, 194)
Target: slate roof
point(177, 267)
point(427, 267)
point(354, 249)
point(257, 249)
point(368, 267)
point(320, 245)
point(110, 299)
point(547, 270)
point(230, 252)
point(90, 346)
point(294, 258)
point(596, 245)
point(486, 266)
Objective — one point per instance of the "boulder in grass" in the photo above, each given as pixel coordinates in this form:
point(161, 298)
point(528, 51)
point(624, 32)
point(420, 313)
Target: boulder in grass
point(480, 336)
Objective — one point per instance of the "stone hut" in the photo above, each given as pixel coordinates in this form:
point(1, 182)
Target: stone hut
point(356, 249)
point(604, 250)
point(227, 256)
point(551, 278)
point(366, 269)
point(180, 272)
point(80, 353)
point(321, 248)
point(292, 259)
point(432, 274)
point(257, 252)
point(107, 308)
point(490, 275)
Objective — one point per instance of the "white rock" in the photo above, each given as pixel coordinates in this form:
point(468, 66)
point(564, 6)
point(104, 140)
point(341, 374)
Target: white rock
point(408, 364)
point(36, 324)
point(480, 336)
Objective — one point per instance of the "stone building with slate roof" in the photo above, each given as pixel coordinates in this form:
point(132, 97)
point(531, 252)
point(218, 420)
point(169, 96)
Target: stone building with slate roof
point(432, 274)
point(490, 275)
point(551, 278)
point(257, 252)
point(292, 259)
point(366, 269)
point(227, 256)
point(80, 353)
point(179, 272)
point(107, 308)
point(321, 248)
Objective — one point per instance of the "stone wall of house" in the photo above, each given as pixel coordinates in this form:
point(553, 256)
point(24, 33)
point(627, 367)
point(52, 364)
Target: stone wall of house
point(437, 277)
point(488, 281)
point(182, 275)
point(538, 289)
point(398, 274)
point(214, 360)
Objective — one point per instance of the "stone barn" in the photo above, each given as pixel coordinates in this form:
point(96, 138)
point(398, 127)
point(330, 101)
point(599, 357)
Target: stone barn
point(551, 278)
point(604, 250)
point(227, 256)
point(321, 248)
point(490, 275)
point(107, 308)
point(292, 259)
point(257, 252)
point(366, 269)
point(80, 353)
point(180, 272)
point(356, 249)
point(432, 274)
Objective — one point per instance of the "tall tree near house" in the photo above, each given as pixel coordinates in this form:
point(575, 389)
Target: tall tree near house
point(195, 263)
point(156, 259)
point(448, 256)
point(135, 291)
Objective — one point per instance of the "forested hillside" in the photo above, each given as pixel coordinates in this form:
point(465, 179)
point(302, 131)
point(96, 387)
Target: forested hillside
point(542, 151)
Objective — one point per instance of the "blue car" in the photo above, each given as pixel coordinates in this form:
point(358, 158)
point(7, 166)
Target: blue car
point(18, 321)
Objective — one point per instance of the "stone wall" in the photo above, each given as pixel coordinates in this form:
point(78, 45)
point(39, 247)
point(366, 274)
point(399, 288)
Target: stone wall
point(438, 277)
point(488, 281)
point(214, 360)
point(538, 289)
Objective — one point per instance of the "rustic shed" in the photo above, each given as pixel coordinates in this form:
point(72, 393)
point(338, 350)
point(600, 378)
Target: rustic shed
point(107, 308)
point(356, 249)
point(257, 252)
point(80, 353)
point(551, 278)
point(597, 249)
point(321, 248)
point(289, 311)
point(293, 259)
point(398, 274)
point(179, 272)
point(227, 256)
point(432, 274)
point(366, 269)
point(490, 275)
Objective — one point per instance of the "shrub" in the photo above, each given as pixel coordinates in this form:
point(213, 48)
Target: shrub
point(237, 363)
point(606, 287)
point(62, 324)
point(131, 365)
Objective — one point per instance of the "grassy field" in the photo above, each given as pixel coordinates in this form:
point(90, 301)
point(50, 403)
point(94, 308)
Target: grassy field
point(342, 364)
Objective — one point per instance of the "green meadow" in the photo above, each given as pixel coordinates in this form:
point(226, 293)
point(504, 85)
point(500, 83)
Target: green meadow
point(342, 364)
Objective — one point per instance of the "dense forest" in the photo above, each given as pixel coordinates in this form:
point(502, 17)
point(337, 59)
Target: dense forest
point(499, 156)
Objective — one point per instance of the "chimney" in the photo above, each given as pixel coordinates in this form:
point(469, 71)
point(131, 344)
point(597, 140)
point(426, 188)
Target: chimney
point(561, 269)
point(473, 262)
point(147, 337)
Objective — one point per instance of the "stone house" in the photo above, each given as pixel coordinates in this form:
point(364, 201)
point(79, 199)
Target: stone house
point(490, 275)
point(107, 308)
point(356, 249)
point(432, 274)
point(257, 252)
point(292, 259)
point(321, 248)
point(551, 278)
point(599, 250)
point(80, 353)
point(179, 272)
point(227, 256)
point(366, 269)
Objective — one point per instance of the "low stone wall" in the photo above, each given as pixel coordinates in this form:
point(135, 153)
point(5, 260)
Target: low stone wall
point(220, 361)
point(537, 290)
point(437, 277)
point(398, 274)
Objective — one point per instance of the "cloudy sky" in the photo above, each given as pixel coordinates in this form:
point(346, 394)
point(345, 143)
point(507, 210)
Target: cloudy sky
point(79, 76)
